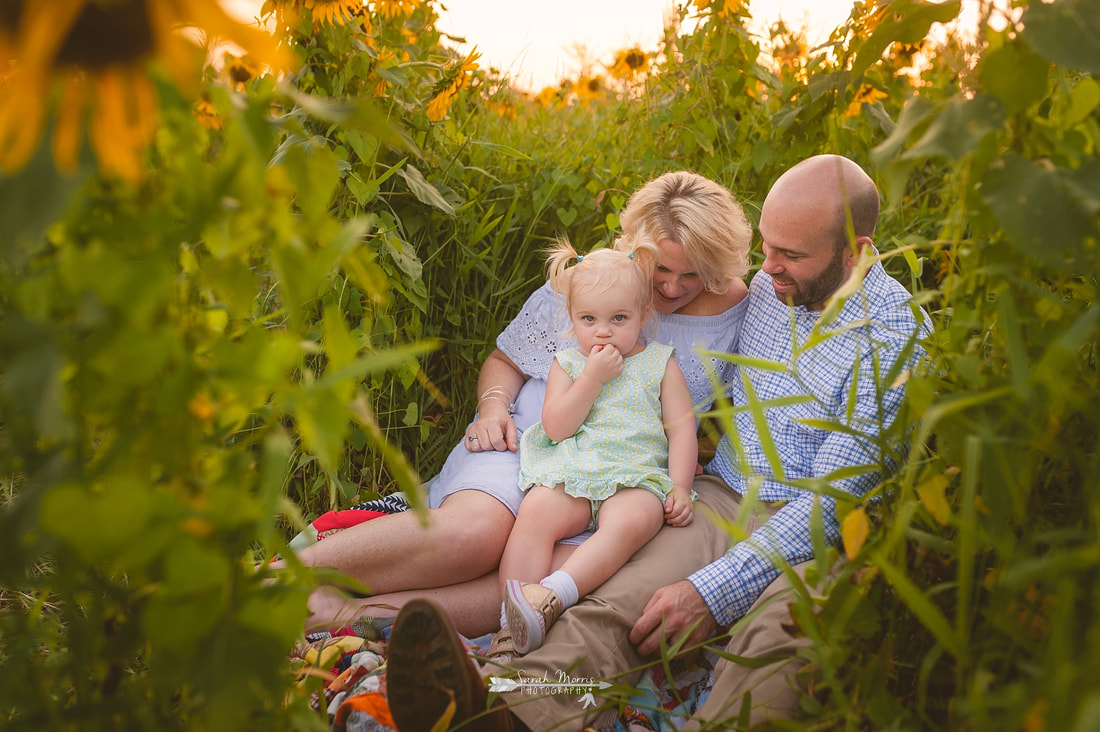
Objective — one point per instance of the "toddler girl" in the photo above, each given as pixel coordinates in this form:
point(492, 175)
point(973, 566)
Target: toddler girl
point(615, 451)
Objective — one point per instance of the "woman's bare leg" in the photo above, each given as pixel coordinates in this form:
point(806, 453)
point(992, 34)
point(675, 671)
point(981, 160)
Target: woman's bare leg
point(463, 540)
point(473, 606)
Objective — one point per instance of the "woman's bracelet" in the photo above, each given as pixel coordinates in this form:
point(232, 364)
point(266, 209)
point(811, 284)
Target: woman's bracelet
point(499, 394)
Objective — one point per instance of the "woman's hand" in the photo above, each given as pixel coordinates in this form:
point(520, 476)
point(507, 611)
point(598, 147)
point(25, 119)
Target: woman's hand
point(678, 509)
point(499, 384)
point(493, 429)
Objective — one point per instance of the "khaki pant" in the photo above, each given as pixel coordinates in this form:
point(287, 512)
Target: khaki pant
point(590, 641)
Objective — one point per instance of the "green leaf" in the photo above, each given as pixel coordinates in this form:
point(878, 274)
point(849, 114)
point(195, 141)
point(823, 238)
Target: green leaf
point(760, 420)
point(424, 191)
point(907, 21)
point(179, 624)
point(1015, 75)
point(31, 383)
point(750, 363)
point(927, 613)
point(315, 175)
point(1066, 32)
point(32, 199)
point(914, 114)
point(98, 525)
point(1015, 350)
point(340, 348)
point(274, 471)
point(191, 568)
point(1040, 207)
point(322, 419)
point(1083, 99)
point(958, 127)
point(278, 611)
point(506, 150)
point(361, 114)
point(566, 215)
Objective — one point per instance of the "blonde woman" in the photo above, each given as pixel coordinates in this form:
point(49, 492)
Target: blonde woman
point(699, 295)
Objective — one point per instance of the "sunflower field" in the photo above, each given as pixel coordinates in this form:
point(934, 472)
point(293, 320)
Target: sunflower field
point(248, 274)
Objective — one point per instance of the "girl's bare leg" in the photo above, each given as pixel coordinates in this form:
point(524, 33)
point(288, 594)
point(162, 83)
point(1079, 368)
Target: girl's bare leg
point(473, 606)
point(545, 516)
point(627, 521)
point(463, 540)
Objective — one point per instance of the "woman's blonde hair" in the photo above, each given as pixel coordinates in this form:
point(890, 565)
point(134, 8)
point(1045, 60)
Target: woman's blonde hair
point(699, 215)
point(602, 269)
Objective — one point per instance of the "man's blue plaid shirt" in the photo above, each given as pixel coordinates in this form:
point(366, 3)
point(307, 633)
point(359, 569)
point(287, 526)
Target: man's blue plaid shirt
point(840, 372)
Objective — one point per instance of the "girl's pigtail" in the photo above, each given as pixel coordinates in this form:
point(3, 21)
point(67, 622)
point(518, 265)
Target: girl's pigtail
point(642, 249)
point(558, 257)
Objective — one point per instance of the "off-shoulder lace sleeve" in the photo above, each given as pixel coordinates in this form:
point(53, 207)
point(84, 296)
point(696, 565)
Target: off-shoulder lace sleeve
point(533, 336)
point(689, 334)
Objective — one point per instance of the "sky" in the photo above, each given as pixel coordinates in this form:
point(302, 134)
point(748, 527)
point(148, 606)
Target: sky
point(534, 41)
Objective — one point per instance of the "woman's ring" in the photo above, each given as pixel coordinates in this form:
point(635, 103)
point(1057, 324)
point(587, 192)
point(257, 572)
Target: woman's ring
point(472, 438)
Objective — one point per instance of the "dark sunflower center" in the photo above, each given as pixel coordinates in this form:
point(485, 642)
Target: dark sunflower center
point(108, 33)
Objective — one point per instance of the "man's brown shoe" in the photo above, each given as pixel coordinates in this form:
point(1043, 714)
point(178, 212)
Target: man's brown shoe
point(427, 666)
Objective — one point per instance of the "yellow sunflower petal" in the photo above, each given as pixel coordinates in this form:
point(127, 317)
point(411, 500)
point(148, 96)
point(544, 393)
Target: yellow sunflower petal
point(68, 127)
point(438, 106)
point(123, 122)
point(41, 33)
point(22, 113)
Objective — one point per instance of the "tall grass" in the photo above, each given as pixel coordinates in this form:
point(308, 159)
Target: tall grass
point(288, 315)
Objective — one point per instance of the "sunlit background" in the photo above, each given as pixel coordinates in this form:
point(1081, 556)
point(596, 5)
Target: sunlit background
point(538, 43)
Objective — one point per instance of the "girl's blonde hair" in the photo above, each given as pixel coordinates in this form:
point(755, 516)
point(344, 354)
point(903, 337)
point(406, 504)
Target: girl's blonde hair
point(699, 215)
point(628, 265)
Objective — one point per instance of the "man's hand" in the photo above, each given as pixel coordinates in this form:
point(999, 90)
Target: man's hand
point(673, 610)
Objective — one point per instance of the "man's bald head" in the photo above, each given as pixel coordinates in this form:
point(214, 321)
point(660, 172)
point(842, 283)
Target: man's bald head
point(834, 187)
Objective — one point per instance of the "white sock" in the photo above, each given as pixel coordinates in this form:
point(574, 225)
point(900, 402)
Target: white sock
point(564, 586)
point(503, 617)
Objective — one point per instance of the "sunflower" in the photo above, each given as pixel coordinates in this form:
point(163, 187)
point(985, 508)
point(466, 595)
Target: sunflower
point(334, 12)
point(866, 17)
point(723, 8)
point(456, 79)
point(206, 113)
point(629, 63)
point(866, 94)
point(284, 12)
point(88, 60)
point(548, 97)
point(395, 8)
point(588, 88)
point(239, 69)
point(902, 54)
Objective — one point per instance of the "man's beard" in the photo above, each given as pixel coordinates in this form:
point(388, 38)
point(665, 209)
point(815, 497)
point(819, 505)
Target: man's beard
point(818, 289)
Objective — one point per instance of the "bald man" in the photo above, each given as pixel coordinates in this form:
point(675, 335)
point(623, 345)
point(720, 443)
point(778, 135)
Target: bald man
point(817, 225)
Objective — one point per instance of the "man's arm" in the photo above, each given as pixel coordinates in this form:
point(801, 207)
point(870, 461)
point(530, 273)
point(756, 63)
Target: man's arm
point(732, 583)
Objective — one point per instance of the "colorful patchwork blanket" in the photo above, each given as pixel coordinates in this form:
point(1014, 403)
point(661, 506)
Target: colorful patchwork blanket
point(353, 660)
